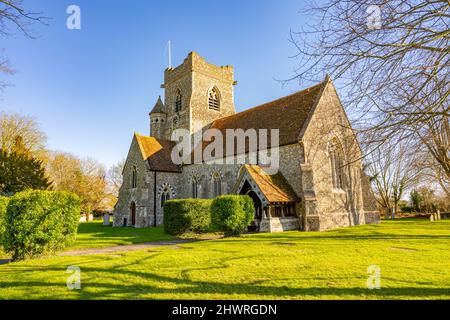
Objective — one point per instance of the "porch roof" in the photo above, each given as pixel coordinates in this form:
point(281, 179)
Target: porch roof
point(275, 188)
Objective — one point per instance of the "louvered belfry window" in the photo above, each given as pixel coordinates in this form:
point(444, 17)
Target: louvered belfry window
point(213, 99)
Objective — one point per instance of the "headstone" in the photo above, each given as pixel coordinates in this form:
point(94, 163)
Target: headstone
point(106, 219)
point(432, 217)
point(393, 213)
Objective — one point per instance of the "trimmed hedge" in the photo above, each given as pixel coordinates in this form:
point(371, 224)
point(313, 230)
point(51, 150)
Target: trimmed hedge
point(40, 222)
point(185, 215)
point(232, 214)
point(3, 205)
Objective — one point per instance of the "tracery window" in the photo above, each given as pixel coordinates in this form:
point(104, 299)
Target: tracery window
point(337, 164)
point(194, 187)
point(134, 177)
point(217, 184)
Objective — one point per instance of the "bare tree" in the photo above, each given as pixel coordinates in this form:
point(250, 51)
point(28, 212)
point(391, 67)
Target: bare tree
point(14, 17)
point(392, 60)
point(86, 178)
point(13, 126)
point(115, 178)
point(393, 169)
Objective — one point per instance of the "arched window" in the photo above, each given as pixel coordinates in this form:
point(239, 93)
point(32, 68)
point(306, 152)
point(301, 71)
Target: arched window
point(214, 99)
point(194, 187)
point(217, 184)
point(337, 164)
point(178, 101)
point(166, 192)
point(165, 196)
point(133, 213)
point(134, 177)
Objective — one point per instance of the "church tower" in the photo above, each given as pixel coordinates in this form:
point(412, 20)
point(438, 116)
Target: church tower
point(196, 94)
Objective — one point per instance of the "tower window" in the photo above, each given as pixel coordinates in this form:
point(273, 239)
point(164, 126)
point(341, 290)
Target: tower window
point(214, 99)
point(178, 101)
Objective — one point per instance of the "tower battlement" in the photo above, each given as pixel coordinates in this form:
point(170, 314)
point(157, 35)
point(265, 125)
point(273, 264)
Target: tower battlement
point(196, 93)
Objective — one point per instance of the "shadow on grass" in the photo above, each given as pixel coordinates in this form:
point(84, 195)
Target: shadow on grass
point(91, 231)
point(254, 289)
point(176, 287)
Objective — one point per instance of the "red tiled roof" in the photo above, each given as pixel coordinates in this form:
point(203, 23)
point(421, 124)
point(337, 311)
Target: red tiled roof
point(274, 187)
point(288, 114)
point(158, 153)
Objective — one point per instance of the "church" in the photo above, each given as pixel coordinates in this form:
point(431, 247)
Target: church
point(319, 185)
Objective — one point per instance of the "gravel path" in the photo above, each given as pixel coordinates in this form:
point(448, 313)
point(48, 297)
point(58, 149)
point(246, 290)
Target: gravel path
point(4, 261)
point(130, 247)
point(124, 248)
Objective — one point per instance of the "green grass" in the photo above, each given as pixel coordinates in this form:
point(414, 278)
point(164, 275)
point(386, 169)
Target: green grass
point(96, 235)
point(414, 257)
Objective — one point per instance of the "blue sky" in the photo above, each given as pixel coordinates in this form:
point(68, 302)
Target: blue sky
point(91, 89)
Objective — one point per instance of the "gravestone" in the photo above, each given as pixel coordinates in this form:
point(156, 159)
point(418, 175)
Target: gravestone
point(106, 219)
point(393, 213)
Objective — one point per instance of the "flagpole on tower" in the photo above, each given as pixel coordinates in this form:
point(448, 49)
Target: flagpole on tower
point(170, 56)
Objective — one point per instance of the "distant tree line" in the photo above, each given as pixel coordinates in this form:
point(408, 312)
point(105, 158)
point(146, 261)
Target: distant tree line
point(26, 164)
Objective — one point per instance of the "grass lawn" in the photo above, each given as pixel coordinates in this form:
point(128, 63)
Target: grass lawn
point(414, 257)
point(96, 235)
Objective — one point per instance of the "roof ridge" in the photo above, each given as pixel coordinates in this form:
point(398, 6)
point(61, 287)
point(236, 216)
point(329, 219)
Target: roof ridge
point(269, 102)
point(152, 137)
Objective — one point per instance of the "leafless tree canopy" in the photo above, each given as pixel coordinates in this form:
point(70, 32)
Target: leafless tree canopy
point(394, 168)
point(13, 126)
point(392, 61)
point(15, 18)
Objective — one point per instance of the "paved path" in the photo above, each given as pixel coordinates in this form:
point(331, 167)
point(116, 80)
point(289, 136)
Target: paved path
point(130, 247)
point(125, 248)
point(4, 261)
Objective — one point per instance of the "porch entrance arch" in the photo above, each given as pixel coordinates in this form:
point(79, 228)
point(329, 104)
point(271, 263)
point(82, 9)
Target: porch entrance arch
point(257, 204)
